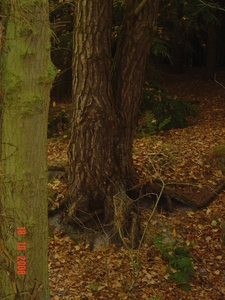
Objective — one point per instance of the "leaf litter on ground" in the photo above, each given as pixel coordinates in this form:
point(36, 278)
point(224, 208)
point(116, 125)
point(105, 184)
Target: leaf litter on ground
point(181, 156)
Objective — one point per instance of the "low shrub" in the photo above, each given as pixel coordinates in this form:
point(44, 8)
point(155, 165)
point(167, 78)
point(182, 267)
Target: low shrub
point(180, 266)
point(166, 111)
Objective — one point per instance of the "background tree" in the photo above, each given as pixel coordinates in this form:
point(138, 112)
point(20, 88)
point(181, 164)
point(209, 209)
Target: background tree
point(185, 26)
point(106, 96)
point(61, 18)
point(215, 42)
point(26, 78)
point(184, 38)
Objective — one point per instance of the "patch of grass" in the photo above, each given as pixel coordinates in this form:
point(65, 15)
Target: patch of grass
point(217, 158)
point(219, 149)
point(180, 266)
point(95, 287)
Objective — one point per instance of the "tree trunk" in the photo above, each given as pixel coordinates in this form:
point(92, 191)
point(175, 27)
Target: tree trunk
point(91, 151)
point(178, 57)
point(27, 75)
point(106, 98)
point(211, 53)
point(128, 72)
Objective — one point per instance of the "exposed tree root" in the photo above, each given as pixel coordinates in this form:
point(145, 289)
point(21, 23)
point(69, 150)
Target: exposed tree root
point(195, 196)
point(126, 221)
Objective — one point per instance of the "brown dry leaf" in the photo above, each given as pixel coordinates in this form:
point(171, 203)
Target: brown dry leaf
point(181, 156)
point(122, 295)
point(174, 233)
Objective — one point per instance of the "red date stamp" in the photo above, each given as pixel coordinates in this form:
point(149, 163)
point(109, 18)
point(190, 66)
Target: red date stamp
point(21, 260)
point(21, 265)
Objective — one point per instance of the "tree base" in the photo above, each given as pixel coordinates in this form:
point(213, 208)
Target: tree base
point(126, 225)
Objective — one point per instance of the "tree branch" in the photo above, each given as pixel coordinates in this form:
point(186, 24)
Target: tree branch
point(214, 6)
point(139, 7)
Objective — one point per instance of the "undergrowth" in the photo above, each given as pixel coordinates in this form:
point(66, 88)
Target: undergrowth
point(166, 111)
point(180, 266)
point(58, 123)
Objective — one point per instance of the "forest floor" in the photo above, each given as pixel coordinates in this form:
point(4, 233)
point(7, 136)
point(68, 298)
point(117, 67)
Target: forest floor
point(189, 156)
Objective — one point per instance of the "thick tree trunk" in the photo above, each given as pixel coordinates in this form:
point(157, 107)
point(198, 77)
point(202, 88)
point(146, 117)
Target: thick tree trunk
point(91, 151)
point(128, 72)
point(27, 75)
point(106, 98)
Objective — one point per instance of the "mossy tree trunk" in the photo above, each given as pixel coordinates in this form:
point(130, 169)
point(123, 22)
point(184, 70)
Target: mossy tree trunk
point(26, 78)
point(106, 97)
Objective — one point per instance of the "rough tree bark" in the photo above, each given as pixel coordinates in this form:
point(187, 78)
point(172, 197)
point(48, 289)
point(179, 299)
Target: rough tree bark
point(106, 97)
point(26, 79)
point(93, 168)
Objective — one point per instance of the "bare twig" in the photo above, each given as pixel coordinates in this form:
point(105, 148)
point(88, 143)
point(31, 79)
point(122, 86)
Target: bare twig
point(214, 6)
point(218, 82)
point(36, 290)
